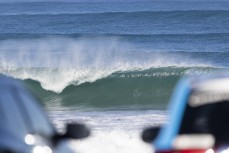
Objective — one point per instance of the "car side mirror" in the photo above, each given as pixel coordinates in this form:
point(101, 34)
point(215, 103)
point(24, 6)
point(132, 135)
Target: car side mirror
point(149, 134)
point(73, 131)
point(76, 131)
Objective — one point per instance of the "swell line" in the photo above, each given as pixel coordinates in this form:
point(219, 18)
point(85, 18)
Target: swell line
point(139, 35)
point(119, 13)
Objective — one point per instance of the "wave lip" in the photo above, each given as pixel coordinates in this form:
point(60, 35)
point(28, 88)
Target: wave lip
point(57, 79)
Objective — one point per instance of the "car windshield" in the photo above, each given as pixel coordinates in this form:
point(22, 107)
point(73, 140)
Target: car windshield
point(212, 117)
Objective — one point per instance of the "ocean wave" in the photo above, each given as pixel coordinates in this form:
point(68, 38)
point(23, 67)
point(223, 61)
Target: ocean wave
point(100, 72)
point(59, 62)
point(146, 89)
point(59, 79)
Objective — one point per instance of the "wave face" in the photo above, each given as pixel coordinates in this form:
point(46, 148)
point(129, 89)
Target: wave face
point(139, 89)
point(147, 89)
point(111, 55)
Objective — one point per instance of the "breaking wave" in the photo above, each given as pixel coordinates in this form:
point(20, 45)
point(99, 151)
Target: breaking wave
point(59, 62)
point(100, 72)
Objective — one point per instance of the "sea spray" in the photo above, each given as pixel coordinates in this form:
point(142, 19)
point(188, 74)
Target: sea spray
point(57, 62)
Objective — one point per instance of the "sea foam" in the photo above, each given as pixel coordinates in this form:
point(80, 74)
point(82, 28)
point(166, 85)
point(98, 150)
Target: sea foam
point(111, 131)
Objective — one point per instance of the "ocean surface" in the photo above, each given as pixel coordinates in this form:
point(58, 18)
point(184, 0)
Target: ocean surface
point(112, 65)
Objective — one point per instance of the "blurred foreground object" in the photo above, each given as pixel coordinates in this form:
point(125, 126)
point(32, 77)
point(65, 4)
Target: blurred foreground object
point(198, 117)
point(24, 127)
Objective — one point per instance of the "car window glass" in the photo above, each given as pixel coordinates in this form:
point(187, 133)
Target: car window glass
point(196, 120)
point(211, 118)
point(38, 119)
point(12, 116)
